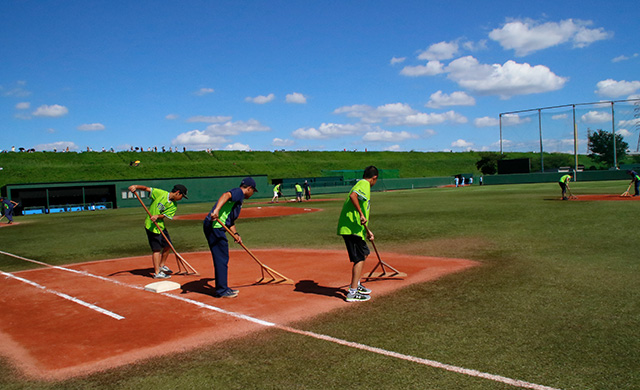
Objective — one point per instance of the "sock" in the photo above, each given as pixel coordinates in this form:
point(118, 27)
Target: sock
point(352, 290)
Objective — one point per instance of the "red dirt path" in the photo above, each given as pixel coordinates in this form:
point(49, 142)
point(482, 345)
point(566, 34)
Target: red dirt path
point(257, 212)
point(52, 338)
point(605, 197)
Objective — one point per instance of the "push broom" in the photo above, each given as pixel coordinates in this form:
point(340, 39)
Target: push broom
point(382, 274)
point(276, 277)
point(188, 269)
point(626, 193)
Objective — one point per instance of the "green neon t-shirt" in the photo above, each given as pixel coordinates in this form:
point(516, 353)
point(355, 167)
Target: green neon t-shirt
point(565, 179)
point(161, 205)
point(349, 221)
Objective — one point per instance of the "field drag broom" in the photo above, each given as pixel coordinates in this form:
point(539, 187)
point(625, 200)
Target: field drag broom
point(382, 274)
point(276, 277)
point(571, 195)
point(188, 269)
point(626, 193)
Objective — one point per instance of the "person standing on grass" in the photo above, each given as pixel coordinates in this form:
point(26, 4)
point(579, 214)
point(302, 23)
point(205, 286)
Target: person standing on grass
point(163, 206)
point(276, 193)
point(7, 208)
point(352, 227)
point(635, 179)
point(307, 190)
point(298, 192)
point(227, 210)
point(564, 184)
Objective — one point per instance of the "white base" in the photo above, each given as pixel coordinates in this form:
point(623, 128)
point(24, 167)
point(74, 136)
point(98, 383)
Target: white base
point(162, 286)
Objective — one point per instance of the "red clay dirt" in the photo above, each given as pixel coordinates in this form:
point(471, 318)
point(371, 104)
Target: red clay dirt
point(52, 338)
point(605, 197)
point(257, 212)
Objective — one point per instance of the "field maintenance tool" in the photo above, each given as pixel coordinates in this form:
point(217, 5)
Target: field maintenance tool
point(276, 277)
point(571, 195)
point(626, 193)
point(188, 269)
point(383, 274)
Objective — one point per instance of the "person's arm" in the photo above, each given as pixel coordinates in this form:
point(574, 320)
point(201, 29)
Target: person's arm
point(354, 199)
point(224, 198)
point(14, 203)
point(135, 187)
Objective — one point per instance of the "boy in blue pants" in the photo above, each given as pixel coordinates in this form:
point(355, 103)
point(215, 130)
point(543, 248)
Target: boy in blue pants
point(227, 209)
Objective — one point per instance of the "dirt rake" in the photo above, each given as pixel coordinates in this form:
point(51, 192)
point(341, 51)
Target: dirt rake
point(626, 193)
point(388, 273)
point(182, 263)
point(276, 277)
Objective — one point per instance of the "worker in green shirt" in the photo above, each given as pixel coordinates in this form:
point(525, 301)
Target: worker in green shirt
point(352, 227)
point(635, 180)
point(564, 184)
point(298, 192)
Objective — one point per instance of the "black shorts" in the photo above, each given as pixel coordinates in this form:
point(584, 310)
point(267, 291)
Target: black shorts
point(356, 248)
point(156, 241)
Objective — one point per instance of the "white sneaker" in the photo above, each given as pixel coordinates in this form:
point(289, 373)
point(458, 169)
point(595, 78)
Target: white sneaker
point(363, 290)
point(357, 297)
point(166, 269)
point(161, 275)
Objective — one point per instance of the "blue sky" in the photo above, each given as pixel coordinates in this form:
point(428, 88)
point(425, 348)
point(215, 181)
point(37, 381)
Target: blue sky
point(302, 75)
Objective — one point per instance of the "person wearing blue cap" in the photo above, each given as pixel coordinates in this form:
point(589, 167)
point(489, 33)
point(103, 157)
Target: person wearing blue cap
point(635, 180)
point(225, 211)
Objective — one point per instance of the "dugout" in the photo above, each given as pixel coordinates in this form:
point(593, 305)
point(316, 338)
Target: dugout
point(45, 198)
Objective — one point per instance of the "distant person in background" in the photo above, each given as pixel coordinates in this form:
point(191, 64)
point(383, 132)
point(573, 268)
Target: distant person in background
point(276, 192)
point(307, 190)
point(564, 184)
point(456, 180)
point(298, 192)
point(635, 179)
point(7, 208)
point(480, 180)
point(163, 206)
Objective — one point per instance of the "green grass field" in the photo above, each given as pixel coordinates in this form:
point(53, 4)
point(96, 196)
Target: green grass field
point(556, 301)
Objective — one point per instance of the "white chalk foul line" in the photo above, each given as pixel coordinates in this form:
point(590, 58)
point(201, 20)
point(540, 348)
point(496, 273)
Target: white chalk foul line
point(364, 347)
point(65, 296)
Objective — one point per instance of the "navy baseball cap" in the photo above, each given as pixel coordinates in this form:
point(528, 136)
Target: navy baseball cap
point(249, 182)
point(181, 189)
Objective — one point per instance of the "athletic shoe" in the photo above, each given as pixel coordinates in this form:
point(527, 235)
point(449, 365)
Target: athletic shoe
point(363, 290)
point(229, 294)
point(357, 297)
point(161, 275)
point(166, 269)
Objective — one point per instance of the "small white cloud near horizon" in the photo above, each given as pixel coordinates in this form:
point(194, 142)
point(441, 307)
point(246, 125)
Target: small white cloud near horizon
point(282, 142)
point(388, 136)
point(623, 57)
point(398, 114)
point(613, 88)
point(260, 99)
point(596, 117)
point(215, 135)
point(238, 146)
point(296, 98)
point(52, 111)
point(440, 51)
point(203, 91)
point(60, 145)
point(393, 148)
point(458, 98)
point(23, 106)
point(432, 68)
point(331, 130)
point(397, 60)
point(486, 121)
point(91, 127)
point(172, 117)
point(528, 36)
point(462, 144)
point(624, 132)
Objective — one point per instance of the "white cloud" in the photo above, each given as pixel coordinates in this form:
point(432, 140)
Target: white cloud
point(458, 98)
point(23, 106)
point(172, 117)
point(209, 119)
point(398, 114)
point(431, 69)
point(238, 146)
point(330, 130)
point(624, 58)
point(429, 133)
point(559, 117)
point(624, 132)
point(91, 127)
point(462, 144)
point(486, 121)
point(393, 148)
point(397, 60)
point(505, 80)
point(440, 51)
point(629, 123)
point(613, 88)
point(388, 136)
point(203, 91)
point(260, 99)
point(60, 145)
point(514, 119)
point(596, 117)
point(528, 36)
point(282, 142)
point(216, 134)
point(55, 110)
point(297, 98)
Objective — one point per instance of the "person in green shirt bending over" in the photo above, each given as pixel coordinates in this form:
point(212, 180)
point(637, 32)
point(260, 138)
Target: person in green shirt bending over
point(352, 227)
point(564, 184)
point(163, 206)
